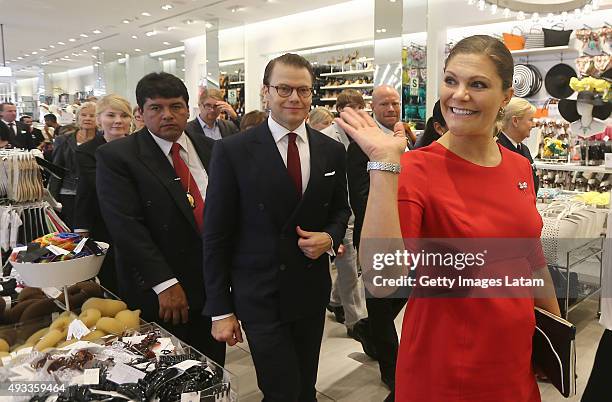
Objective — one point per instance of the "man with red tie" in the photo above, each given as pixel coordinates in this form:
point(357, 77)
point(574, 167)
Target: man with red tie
point(152, 188)
point(276, 210)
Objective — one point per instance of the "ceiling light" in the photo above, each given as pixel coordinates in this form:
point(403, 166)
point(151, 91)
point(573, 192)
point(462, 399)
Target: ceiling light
point(126, 21)
point(34, 52)
point(182, 69)
point(189, 22)
point(42, 49)
point(134, 37)
point(60, 43)
point(166, 43)
point(84, 36)
point(93, 56)
point(208, 25)
point(166, 7)
point(119, 54)
point(145, 14)
point(160, 58)
point(171, 28)
point(71, 40)
point(96, 31)
point(95, 47)
point(84, 50)
point(151, 33)
point(137, 50)
point(26, 55)
point(19, 58)
point(52, 46)
point(74, 54)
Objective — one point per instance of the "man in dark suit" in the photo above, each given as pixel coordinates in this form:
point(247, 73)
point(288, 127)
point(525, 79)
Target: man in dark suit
point(151, 188)
point(33, 136)
point(381, 311)
point(10, 130)
point(516, 145)
point(208, 123)
point(276, 209)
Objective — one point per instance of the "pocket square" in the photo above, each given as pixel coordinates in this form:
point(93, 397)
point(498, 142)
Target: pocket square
point(330, 173)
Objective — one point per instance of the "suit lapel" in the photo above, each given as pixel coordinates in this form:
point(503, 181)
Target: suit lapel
point(152, 156)
point(277, 189)
point(204, 152)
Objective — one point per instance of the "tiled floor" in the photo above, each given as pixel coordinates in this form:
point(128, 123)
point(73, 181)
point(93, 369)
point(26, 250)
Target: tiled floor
point(347, 374)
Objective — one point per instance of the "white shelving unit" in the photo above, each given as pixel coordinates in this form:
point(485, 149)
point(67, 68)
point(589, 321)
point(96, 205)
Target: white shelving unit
point(570, 167)
point(236, 83)
point(334, 99)
point(543, 50)
point(348, 86)
point(350, 72)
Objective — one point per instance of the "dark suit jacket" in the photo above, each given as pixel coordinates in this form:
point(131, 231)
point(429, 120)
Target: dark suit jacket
point(358, 186)
point(505, 141)
point(86, 209)
point(20, 140)
point(226, 127)
point(250, 240)
point(150, 220)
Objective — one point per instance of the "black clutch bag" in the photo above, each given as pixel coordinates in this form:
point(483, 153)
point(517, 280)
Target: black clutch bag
point(554, 350)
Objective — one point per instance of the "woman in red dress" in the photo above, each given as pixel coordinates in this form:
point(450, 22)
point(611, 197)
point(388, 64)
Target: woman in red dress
point(462, 186)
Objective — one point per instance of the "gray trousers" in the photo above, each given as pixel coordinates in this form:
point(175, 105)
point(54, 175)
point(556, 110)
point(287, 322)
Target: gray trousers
point(348, 290)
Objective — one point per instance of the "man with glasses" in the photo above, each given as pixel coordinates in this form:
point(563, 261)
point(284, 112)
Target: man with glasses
point(276, 210)
point(208, 123)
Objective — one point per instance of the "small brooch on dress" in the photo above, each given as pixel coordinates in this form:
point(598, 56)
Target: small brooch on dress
point(522, 185)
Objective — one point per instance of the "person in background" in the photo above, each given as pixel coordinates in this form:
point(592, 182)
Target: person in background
point(463, 186)
point(64, 155)
point(114, 117)
point(52, 128)
point(381, 312)
point(33, 137)
point(516, 126)
point(435, 128)
point(152, 186)
point(347, 300)
point(12, 132)
point(137, 122)
point(252, 119)
point(320, 118)
point(208, 123)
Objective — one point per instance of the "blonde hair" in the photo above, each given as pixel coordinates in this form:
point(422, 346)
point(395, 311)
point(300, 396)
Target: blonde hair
point(210, 93)
point(320, 115)
point(113, 101)
point(85, 105)
point(517, 107)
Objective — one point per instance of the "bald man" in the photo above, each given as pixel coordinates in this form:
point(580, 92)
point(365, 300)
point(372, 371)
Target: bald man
point(381, 312)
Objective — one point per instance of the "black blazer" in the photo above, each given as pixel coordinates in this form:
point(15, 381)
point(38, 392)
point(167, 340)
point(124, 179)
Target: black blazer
point(226, 127)
point(358, 186)
point(505, 141)
point(250, 240)
point(20, 140)
point(64, 151)
point(150, 220)
point(86, 209)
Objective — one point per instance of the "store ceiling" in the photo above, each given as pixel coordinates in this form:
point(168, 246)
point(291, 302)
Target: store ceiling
point(33, 25)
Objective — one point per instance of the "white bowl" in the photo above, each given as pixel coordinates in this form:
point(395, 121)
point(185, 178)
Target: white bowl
point(61, 273)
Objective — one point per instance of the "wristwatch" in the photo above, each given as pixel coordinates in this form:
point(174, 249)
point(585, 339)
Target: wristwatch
point(385, 166)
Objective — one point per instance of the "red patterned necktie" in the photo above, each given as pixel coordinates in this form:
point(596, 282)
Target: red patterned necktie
point(189, 185)
point(293, 163)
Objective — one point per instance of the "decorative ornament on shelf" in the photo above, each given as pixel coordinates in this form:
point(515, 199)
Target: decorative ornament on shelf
point(522, 9)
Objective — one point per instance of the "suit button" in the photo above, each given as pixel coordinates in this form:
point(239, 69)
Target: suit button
point(149, 203)
point(261, 207)
point(326, 205)
point(165, 227)
point(309, 265)
point(283, 267)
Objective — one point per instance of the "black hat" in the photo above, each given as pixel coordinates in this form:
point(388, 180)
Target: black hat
point(557, 80)
point(568, 109)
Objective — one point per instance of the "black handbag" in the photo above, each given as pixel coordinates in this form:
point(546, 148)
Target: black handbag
point(556, 37)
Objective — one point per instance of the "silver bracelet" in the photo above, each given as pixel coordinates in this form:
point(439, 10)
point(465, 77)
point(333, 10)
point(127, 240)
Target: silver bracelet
point(385, 166)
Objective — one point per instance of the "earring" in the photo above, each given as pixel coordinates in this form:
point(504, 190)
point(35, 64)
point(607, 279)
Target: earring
point(500, 113)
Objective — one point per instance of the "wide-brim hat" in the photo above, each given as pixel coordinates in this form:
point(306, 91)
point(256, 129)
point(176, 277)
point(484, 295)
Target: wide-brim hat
point(557, 80)
point(569, 110)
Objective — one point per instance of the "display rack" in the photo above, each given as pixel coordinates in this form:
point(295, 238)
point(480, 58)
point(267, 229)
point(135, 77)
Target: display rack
point(570, 167)
point(349, 72)
point(543, 51)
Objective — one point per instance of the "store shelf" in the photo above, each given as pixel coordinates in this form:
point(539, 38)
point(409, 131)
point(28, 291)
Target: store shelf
point(351, 72)
point(334, 99)
point(365, 110)
point(543, 50)
point(570, 167)
point(237, 83)
point(348, 86)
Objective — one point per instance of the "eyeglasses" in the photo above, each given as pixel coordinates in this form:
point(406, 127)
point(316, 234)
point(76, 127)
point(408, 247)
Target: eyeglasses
point(207, 106)
point(285, 91)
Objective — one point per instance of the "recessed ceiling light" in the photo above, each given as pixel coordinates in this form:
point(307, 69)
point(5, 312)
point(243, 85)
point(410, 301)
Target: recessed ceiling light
point(42, 49)
point(20, 58)
point(84, 50)
point(171, 28)
point(126, 21)
point(93, 56)
point(166, 43)
point(166, 7)
point(26, 55)
point(134, 37)
point(151, 33)
point(52, 46)
point(160, 59)
point(96, 31)
point(182, 69)
point(208, 25)
point(71, 40)
point(34, 52)
point(119, 54)
point(84, 36)
point(146, 14)
point(95, 47)
point(137, 50)
point(183, 56)
point(60, 43)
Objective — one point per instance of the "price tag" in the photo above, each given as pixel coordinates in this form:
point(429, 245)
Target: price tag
point(91, 376)
point(77, 330)
point(80, 246)
point(53, 293)
point(190, 396)
point(124, 374)
point(57, 251)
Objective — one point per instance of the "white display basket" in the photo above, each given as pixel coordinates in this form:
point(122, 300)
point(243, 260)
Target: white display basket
point(61, 273)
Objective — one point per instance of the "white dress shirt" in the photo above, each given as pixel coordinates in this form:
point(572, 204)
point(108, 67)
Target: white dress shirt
point(282, 143)
point(213, 132)
point(190, 156)
point(8, 125)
